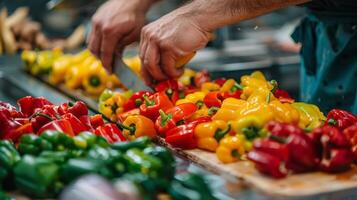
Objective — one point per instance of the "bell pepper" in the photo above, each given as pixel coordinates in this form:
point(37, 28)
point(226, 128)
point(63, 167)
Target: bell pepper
point(136, 100)
point(230, 149)
point(174, 116)
point(250, 126)
point(213, 99)
point(61, 125)
point(310, 115)
point(341, 118)
point(150, 108)
point(183, 136)
point(210, 133)
point(196, 98)
point(33, 144)
point(96, 120)
point(6, 107)
point(8, 126)
point(230, 109)
point(59, 68)
point(136, 126)
point(95, 79)
point(76, 124)
point(201, 77)
point(170, 88)
point(74, 76)
point(134, 63)
point(29, 104)
point(166, 157)
point(138, 161)
point(122, 117)
point(4, 196)
point(113, 106)
point(110, 132)
point(298, 144)
point(140, 143)
point(268, 164)
point(351, 134)
point(187, 77)
point(220, 81)
point(43, 116)
point(279, 150)
point(37, 177)
point(284, 112)
point(8, 158)
point(210, 87)
point(254, 82)
point(78, 109)
point(283, 96)
point(338, 160)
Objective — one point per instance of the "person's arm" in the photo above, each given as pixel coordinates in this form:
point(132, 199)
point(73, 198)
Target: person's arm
point(116, 24)
point(190, 27)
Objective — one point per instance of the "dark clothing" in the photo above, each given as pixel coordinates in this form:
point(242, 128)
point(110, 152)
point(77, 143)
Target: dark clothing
point(349, 6)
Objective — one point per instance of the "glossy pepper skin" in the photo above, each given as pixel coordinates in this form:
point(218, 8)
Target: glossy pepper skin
point(8, 158)
point(213, 99)
point(249, 126)
point(174, 116)
point(230, 149)
point(283, 96)
point(136, 100)
point(341, 118)
point(76, 124)
point(254, 82)
point(61, 125)
point(210, 133)
point(78, 109)
point(151, 106)
point(110, 132)
point(170, 88)
point(113, 106)
point(183, 136)
point(136, 126)
point(268, 164)
point(310, 115)
point(29, 104)
point(140, 143)
point(95, 79)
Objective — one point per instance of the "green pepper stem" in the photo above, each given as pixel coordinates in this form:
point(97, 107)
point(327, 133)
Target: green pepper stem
point(275, 85)
point(42, 115)
point(70, 104)
point(199, 104)
point(278, 138)
point(267, 100)
point(332, 122)
point(138, 102)
point(164, 117)
point(148, 102)
point(131, 128)
point(94, 81)
point(236, 87)
point(221, 133)
point(213, 110)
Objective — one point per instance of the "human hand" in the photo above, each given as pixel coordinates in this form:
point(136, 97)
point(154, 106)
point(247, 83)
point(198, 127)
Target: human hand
point(168, 39)
point(116, 24)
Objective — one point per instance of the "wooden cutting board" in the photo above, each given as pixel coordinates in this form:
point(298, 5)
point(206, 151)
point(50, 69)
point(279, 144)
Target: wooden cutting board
point(293, 186)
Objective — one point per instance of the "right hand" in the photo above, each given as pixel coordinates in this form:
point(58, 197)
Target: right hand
point(116, 24)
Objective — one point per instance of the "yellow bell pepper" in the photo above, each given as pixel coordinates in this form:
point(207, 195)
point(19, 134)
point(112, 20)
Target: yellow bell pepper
point(113, 106)
point(210, 133)
point(95, 80)
point(29, 57)
point(249, 126)
point(81, 56)
point(253, 82)
point(196, 98)
point(284, 112)
point(230, 109)
point(210, 87)
point(187, 77)
point(230, 149)
point(74, 76)
point(230, 86)
point(59, 69)
point(310, 115)
point(134, 63)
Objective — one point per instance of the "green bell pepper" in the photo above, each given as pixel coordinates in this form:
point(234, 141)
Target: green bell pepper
point(37, 177)
point(139, 143)
point(166, 157)
point(3, 196)
point(33, 144)
point(8, 158)
point(138, 161)
point(60, 141)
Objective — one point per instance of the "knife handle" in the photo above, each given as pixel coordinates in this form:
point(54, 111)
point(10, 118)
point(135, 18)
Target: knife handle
point(184, 60)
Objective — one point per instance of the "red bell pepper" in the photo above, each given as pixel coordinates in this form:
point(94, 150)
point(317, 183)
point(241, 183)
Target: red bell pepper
point(234, 94)
point(170, 88)
point(220, 81)
point(283, 96)
point(201, 77)
point(174, 116)
point(183, 136)
point(96, 120)
point(351, 134)
point(341, 118)
point(42, 116)
point(8, 126)
point(61, 125)
point(268, 164)
point(110, 132)
point(76, 124)
point(136, 100)
point(11, 109)
point(150, 108)
point(86, 121)
point(213, 99)
point(337, 160)
point(28, 104)
point(78, 109)
point(274, 148)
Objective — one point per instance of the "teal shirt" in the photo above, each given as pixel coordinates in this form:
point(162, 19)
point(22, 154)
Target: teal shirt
point(329, 54)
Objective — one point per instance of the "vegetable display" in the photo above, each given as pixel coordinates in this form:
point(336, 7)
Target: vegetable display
point(45, 147)
point(252, 119)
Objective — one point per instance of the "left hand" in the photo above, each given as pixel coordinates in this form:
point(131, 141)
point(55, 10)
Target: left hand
point(164, 41)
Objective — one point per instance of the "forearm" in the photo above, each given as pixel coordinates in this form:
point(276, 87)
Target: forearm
point(144, 5)
point(212, 14)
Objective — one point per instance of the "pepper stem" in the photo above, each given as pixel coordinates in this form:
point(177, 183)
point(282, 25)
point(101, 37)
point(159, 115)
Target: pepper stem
point(94, 81)
point(212, 111)
point(236, 87)
point(235, 153)
point(278, 139)
point(199, 104)
point(164, 117)
point(148, 102)
point(138, 102)
point(70, 104)
point(275, 85)
point(332, 122)
point(267, 100)
point(131, 128)
point(42, 115)
point(169, 92)
point(250, 132)
point(221, 133)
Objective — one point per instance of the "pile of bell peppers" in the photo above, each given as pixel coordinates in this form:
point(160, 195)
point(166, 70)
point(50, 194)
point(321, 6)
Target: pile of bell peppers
point(82, 70)
point(233, 119)
point(42, 165)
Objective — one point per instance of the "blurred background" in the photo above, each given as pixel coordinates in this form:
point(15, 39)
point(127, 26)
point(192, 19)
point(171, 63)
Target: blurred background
point(263, 43)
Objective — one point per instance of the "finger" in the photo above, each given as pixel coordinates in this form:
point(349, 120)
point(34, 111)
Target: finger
point(143, 44)
point(95, 41)
point(107, 49)
point(146, 76)
point(151, 62)
point(167, 64)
